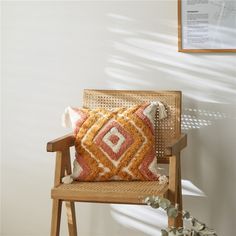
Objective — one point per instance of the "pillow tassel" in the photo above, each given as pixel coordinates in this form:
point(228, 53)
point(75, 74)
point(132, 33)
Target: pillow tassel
point(66, 121)
point(162, 111)
point(67, 179)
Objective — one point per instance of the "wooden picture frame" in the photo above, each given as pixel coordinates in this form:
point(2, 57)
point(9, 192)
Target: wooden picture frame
point(190, 30)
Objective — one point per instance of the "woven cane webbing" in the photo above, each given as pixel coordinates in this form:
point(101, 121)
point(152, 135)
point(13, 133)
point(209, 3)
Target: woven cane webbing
point(111, 191)
point(166, 129)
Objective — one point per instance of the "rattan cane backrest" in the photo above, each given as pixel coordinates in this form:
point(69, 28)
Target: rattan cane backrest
point(166, 129)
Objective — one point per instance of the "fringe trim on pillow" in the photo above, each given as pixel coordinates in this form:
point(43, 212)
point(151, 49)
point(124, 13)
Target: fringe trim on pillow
point(75, 174)
point(67, 179)
point(163, 179)
point(162, 110)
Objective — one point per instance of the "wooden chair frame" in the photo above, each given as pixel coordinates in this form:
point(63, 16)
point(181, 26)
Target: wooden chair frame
point(81, 192)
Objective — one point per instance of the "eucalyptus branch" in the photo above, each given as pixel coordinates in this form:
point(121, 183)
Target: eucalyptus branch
point(197, 228)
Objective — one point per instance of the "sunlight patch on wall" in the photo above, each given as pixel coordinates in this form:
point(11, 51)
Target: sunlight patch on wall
point(120, 31)
point(124, 76)
point(119, 17)
point(197, 118)
point(156, 53)
point(123, 62)
point(141, 218)
point(189, 189)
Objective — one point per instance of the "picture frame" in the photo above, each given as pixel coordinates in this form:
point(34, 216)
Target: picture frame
point(206, 26)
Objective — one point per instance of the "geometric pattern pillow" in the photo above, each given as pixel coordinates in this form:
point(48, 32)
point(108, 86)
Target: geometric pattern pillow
point(117, 144)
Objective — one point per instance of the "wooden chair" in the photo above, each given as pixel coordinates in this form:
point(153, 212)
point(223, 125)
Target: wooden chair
point(169, 142)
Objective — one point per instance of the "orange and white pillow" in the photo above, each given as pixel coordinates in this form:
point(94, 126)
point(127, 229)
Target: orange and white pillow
point(117, 144)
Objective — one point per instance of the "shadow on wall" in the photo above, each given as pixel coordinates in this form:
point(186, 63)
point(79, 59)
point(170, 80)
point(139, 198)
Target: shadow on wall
point(147, 59)
point(139, 55)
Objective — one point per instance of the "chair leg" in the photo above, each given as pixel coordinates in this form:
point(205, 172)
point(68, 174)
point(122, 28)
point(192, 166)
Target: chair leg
point(179, 219)
point(176, 191)
point(56, 217)
point(71, 219)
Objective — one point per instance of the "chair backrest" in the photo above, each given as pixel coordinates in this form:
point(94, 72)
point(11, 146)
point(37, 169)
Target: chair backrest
point(166, 129)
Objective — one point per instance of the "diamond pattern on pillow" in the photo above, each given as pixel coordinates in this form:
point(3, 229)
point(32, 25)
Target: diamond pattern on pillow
point(115, 144)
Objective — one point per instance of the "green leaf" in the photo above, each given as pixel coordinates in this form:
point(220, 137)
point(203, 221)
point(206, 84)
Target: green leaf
point(198, 226)
point(164, 203)
point(193, 221)
point(154, 205)
point(164, 232)
point(186, 215)
point(194, 233)
point(207, 232)
point(180, 231)
point(147, 200)
point(172, 211)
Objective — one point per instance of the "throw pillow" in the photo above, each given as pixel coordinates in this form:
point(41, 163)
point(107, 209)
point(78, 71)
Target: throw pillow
point(117, 144)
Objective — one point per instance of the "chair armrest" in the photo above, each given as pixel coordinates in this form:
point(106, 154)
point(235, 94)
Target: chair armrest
point(176, 145)
point(61, 143)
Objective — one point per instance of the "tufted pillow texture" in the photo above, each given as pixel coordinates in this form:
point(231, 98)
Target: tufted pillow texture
point(117, 144)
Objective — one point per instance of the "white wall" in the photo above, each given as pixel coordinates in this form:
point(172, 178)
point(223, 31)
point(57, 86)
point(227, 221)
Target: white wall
point(52, 51)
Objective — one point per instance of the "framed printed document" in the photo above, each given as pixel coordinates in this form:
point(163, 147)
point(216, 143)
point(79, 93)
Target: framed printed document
point(207, 25)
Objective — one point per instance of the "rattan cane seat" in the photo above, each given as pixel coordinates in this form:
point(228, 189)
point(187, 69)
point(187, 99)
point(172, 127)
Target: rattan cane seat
point(113, 191)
